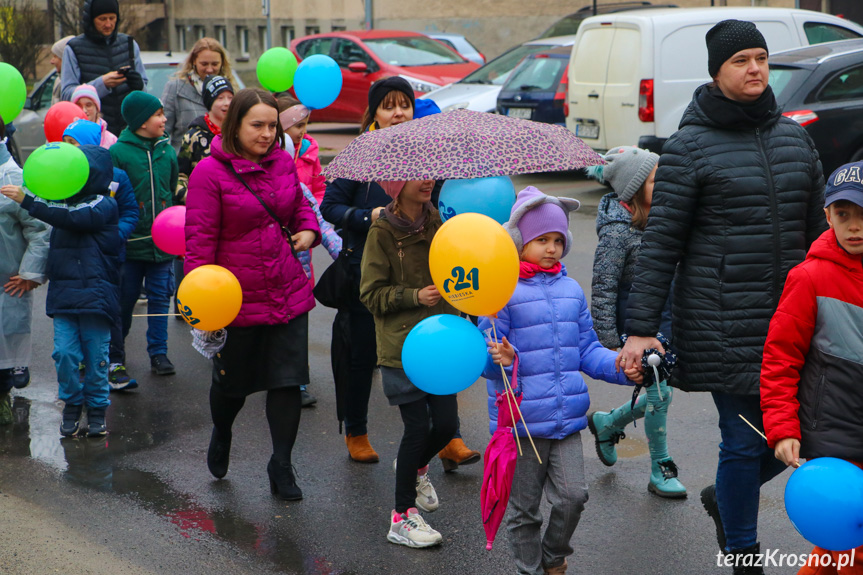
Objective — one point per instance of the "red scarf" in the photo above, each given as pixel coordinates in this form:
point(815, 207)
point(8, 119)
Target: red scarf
point(528, 270)
point(213, 127)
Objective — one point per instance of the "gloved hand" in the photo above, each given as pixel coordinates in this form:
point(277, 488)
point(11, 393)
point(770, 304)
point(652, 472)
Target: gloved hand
point(134, 80)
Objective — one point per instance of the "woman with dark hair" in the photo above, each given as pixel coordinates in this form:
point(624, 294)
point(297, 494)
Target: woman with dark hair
point(251, 178)
point(183, 96)
point(353, 207)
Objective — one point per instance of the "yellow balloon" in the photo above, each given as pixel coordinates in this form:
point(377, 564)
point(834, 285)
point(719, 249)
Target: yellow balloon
point(474, 264)
point(210, 297)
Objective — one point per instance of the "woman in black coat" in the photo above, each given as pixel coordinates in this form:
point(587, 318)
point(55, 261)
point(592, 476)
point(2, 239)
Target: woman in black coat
point(737, 202)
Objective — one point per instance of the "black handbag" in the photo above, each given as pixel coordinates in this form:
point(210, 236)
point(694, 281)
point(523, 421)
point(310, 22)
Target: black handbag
point(335, 287)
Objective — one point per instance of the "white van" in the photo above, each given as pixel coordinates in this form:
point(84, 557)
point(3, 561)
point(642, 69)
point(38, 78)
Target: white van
point(632, 74)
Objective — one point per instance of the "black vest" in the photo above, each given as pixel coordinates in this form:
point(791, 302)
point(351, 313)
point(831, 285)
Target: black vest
point(98, 58)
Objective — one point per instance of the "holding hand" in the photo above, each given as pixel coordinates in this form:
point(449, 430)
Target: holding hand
point(13, 192)
point(501, 353)
point(303, 240)
point(788, 451)
point(17, 286)
point(634, 374)
point(113, 79)
point(428, 296)
point(630, 356)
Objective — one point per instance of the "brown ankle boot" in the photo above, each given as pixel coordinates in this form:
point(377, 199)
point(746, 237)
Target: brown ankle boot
point(457, 453)
point(559, 570)
point(360, 449)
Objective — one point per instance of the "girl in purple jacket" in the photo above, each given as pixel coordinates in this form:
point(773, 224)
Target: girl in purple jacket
point(245, 212)
point(547, 322)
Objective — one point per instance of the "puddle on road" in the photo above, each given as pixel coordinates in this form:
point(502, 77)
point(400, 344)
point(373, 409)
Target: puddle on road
point(89, 463)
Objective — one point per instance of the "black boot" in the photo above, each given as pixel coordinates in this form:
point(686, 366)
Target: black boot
point(282, 482)
point(708, 500)
point(748, 561)
point(218, 455)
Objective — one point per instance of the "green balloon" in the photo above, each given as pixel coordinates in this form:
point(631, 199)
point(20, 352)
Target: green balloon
point(276, 68)
point(56, 171)
point(14, 92)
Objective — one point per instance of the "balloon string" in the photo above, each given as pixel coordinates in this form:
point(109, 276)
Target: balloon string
point(155, 314)
point(752, 426)
point(517, 408)
point(507, 390)
point(656, 381)
point(139, 239)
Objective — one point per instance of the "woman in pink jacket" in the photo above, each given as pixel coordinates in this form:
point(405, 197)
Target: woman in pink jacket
point(245, 211)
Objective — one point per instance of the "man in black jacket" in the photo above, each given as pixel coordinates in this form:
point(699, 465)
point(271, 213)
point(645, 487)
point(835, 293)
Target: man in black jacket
point(108, 60)
point(736, 204)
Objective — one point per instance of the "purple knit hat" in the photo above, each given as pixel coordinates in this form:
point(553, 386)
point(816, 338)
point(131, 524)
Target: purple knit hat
point(535, 214)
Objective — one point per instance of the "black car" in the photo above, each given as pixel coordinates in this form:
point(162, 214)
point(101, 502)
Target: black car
point(536, 89)
point(821, 87)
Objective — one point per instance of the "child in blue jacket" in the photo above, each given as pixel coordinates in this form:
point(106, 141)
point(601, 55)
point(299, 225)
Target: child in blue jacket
point(547, 322)
point(83, 288)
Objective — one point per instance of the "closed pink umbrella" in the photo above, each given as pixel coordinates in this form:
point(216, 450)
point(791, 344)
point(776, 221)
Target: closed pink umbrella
point(500, 459)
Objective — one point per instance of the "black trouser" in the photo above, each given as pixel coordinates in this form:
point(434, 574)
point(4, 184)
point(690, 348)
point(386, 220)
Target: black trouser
point(363, 361)
point(430, 424)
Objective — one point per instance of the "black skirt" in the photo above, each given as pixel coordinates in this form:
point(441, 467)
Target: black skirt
point(263, 357)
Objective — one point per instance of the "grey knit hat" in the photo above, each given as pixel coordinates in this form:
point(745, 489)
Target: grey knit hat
point(626, 169)
point(60, 45)
point(727, 39)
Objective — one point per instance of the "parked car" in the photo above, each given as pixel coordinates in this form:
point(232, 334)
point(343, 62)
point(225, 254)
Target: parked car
point(479, 90)
point(822, 88)
point(536, 89)
point(366, 56)
point(632, 74)
point(569, 24)
point(29, 133)
point(461, 45)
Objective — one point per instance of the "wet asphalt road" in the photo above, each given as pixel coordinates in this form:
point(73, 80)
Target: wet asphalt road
point(144, 500)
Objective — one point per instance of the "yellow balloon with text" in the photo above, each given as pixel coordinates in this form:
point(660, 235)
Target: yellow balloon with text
point(209, 297)
point(474, 264)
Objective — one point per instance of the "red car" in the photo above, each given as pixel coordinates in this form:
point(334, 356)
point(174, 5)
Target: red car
point(366, 56)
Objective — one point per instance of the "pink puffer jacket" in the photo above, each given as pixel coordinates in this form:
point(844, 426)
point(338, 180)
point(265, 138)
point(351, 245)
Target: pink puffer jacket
point(309, 170)
point(227, 226)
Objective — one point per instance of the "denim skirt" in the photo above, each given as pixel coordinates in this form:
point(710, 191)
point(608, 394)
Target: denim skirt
point(263, 357)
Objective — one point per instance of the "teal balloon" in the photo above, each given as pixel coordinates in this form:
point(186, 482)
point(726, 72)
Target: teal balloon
point(444, 354)
point(56, 171)
point(492, 197)
point(13, 94)
point(318, 81)
point(276, 69)
point(824, 501)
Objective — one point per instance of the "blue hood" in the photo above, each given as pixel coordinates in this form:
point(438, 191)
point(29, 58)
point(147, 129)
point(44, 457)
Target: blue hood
point(84, 132)
point(101, 173)
point(610, 211)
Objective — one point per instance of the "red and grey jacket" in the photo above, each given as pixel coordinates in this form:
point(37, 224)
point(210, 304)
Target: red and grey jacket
point(812, 372)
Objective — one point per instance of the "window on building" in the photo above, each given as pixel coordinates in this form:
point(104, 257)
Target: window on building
point(287, 35)
point(200, 32)
point(221, 35)
point(262, 38)
point(338, 28)
point(181, 38)
point(312, 30)
point(243, 41)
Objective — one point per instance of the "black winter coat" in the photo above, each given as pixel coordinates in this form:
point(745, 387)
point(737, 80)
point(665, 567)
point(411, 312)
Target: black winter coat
point(737, 202)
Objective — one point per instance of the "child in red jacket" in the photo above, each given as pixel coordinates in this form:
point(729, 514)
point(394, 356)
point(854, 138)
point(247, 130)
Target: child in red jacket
point(294, 118)
point(811, 393)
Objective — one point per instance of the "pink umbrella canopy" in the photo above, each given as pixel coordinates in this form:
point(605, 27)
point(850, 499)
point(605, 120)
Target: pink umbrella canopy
point(500, 459)
point(461, 144)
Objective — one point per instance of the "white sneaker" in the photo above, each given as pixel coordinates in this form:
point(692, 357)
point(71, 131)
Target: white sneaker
point(426, 495)
point(412, 530)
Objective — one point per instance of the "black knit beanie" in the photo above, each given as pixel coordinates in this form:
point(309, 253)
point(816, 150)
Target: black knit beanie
point(727, 39)
point(213, 86)
point(382, 87)
point(99, 7)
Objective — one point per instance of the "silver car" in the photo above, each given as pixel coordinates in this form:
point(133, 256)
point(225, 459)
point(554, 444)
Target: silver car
point(29, 130)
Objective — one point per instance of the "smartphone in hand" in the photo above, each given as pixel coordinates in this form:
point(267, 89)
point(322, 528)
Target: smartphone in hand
point(123, 69)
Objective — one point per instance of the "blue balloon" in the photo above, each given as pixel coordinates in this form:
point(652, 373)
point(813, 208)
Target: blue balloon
point(492, 197)
point(318, 81)
point(444, 354)
point(824, 501)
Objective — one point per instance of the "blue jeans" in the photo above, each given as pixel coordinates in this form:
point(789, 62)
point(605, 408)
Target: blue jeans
point(82, 338)
point(159, 286)
point(745, 464)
